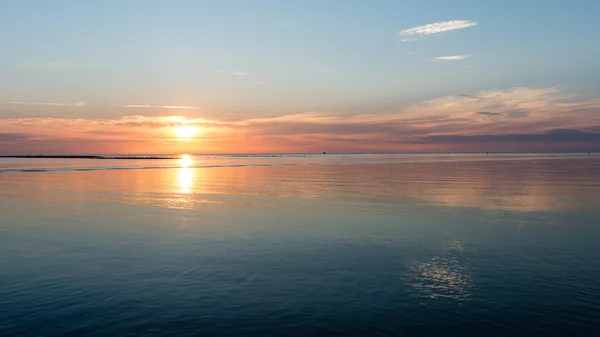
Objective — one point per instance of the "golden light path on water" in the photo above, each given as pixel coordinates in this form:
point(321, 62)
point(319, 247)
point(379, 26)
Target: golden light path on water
point(186, 174)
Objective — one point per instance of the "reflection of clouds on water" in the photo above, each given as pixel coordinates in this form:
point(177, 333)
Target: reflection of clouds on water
point(442, 276)
point(509, 191)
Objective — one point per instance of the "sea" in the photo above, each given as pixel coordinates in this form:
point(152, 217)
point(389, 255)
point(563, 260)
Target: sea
point(301, 245)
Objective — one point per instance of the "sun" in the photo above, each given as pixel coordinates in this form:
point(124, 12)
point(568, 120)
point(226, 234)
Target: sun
point(185, 131)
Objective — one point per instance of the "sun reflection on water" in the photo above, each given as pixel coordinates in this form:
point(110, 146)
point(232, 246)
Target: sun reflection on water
point(443, 276)
point(185, 174)
point(185, 161)
point(186, 179)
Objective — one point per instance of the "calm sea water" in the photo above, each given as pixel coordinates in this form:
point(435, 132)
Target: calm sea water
point(352, 245)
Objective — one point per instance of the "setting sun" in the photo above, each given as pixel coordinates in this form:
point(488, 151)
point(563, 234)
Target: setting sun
point(185, 131)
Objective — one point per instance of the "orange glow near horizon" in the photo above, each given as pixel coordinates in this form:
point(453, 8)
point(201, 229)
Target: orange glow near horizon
point(540, 119)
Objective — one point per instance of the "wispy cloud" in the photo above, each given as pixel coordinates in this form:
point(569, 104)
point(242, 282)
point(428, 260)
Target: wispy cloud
point(13, 137)
point(460, 121)
point(553, 135)
point(451, 58)
point(410, 53)
point(489, 113)
point(411, 39)
point(46, 103)
point(160, 106)
point(230, 72)
point(438, 27)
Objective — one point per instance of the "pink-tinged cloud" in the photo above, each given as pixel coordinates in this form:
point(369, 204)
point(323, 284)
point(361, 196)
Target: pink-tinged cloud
point(77, 104)
point(142, 106)
point(519, 119)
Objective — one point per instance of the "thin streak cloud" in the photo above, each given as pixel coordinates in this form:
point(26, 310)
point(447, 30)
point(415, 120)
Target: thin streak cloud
point(46, 103)
point(438, 27)
point(451, 58)
point(144, 106)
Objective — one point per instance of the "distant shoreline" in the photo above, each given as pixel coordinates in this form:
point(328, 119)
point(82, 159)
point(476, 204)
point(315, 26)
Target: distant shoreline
point(88, 157)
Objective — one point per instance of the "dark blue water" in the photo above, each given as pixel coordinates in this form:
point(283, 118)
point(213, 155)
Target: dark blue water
point(454, 249)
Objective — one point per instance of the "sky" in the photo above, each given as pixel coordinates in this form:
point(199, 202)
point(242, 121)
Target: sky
point(269, 76)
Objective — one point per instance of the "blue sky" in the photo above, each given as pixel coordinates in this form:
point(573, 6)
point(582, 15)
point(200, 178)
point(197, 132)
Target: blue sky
point(263, 59)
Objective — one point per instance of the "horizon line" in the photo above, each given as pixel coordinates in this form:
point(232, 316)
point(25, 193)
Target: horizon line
point(104, 155)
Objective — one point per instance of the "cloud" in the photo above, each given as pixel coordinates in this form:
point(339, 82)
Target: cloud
point(159, 106)
point(524, 118)
point(489, 113)
point(230, 72)
point(410, 53)
point(11, 137)
point(438, 27)
point(467, 95)
point(518, 110)
point(157, 122)
point(517, 113)
point(46, 103)
point(409, 40)
point(556, 135)
point(451, 58)
point(312, 128)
